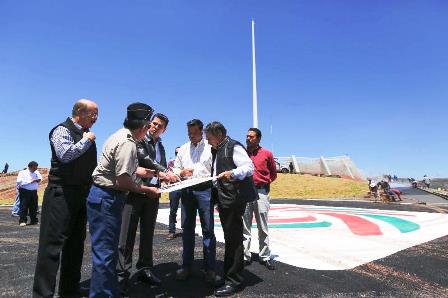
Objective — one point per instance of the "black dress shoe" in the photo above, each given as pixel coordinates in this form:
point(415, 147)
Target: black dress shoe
point(123, 286)
point(268, 264)
point(148, 277)
point(82, 292)
point(226, 290)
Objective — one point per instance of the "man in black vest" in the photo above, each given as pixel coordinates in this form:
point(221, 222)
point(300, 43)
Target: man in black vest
point(151, 155)
point(233, 189)
point(63, 219)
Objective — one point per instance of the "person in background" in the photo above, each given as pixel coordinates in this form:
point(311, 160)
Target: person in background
point(16, 207)
point(27, 184)
point(63, 218)
point(233, 189)
point(264, 174)
point(174, 197)
point(115, 176)
point(137, 208)
point(5, 169)
point(426, 181)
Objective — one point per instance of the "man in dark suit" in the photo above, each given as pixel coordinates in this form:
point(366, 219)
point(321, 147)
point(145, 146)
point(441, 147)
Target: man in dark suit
point(151, 155)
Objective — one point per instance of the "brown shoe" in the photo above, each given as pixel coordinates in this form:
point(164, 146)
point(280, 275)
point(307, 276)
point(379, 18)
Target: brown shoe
point(170, 236)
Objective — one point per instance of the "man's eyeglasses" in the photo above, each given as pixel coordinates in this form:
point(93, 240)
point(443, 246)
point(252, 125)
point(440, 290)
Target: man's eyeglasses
point(92, 114)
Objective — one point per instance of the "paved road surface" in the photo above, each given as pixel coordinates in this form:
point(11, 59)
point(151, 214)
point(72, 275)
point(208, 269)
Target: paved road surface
point(419, 271)
point(416, 195)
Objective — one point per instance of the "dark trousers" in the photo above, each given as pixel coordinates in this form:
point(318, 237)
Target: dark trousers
point(232, 225)
point(104, 208)
point(61, 240)
point(137, 208)
point(174, 205)
point(193, 202)
point(28, 205)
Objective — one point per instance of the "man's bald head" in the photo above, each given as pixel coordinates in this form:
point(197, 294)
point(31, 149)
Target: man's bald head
point(85, 112)
point(83, 105)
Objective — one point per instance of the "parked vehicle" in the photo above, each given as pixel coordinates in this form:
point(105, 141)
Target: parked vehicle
point(281, 168)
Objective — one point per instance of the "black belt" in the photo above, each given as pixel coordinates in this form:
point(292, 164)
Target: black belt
point(24, 189)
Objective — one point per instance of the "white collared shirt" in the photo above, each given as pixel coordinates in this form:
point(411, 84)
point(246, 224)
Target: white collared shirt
point(244, 165)
point(25, 177)
point(197, 157)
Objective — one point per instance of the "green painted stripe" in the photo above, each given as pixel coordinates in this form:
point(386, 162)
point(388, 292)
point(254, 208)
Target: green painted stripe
point(404, 226)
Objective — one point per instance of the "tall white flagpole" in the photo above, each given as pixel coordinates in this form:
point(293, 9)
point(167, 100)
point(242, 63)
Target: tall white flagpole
point(254, 81)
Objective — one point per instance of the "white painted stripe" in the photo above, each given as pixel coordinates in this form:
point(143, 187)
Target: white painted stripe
point(337, 247)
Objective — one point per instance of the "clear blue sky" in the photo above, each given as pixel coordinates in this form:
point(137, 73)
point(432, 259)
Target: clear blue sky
point(363, 78)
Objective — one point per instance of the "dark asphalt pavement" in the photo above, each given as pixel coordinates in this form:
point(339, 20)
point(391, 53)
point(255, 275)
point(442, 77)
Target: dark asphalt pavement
point(420, 271)
point(416, 195)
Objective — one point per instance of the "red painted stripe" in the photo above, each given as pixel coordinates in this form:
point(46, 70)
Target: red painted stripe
point(357, 225)
point(308, 218)
point(354, 212)
point(316, 210)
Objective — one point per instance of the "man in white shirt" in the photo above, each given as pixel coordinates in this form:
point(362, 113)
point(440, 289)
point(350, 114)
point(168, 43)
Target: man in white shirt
point(195, 160)
point(27, 184)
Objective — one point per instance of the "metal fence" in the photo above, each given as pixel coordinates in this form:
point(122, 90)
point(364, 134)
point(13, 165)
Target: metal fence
point(341, 166)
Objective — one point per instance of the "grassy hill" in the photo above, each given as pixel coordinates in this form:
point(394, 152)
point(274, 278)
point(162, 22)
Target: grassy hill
point(286, 186)
point(306, 186)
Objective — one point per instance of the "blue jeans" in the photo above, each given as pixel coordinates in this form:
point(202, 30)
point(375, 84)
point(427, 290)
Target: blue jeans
point(104, 208)
point(193, 202)
point(16, 207)
point(174, 205)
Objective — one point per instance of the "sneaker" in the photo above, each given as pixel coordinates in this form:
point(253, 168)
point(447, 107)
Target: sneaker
point(15, 214)
point(22, 224)
point(170, 236)
point(268, 264)
point(183, 274)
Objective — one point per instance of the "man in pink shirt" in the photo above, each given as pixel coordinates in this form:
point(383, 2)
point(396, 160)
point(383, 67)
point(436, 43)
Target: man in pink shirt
point(264, 174)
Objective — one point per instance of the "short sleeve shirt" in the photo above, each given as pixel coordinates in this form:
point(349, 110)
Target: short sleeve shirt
point(119, 157)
